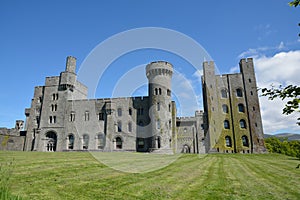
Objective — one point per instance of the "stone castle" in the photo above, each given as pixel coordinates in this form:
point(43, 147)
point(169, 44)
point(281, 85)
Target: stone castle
point(62, 118)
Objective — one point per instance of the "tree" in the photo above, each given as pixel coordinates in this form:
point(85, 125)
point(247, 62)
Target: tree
point(295, 3)
point(291, 91)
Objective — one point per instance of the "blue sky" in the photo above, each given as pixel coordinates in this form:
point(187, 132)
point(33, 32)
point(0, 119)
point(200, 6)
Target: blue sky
point(36, 37)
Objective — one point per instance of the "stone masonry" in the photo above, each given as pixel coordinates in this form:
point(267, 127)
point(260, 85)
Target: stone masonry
point(62, 118)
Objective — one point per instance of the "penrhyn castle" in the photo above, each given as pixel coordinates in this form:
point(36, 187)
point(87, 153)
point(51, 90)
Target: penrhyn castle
point(62, 118)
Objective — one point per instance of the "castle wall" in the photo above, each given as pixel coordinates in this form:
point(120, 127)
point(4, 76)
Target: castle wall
point(61, 118)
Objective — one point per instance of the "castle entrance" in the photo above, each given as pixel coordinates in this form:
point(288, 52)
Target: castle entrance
point(51, 140)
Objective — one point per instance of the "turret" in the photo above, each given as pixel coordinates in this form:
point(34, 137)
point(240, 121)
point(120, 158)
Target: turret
point(68, 77)
point(159, 75)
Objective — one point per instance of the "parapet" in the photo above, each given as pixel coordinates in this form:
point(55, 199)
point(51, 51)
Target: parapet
point(159, 68)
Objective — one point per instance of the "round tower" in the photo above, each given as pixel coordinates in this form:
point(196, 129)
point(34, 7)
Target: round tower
point(159, 76)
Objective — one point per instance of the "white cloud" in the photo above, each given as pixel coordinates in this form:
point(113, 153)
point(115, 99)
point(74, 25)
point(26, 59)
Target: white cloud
point(260, 51)
point(282, 68)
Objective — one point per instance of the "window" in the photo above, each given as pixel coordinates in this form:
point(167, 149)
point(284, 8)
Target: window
point(157, 124)
point(72, 117)
point(85, 141)
point(54, 96)
point(86, 116)
point(119, 112)
point(140, 111)
point(169, 92)
point(253, 108)
point(241, 108)
point(251, 92)
point(225, 108)
point(239, 92)
point(130, 111)
point(52, 119)
point(54, 107)
point(100, 141)
point(170, 124)
point(224, 93)
point(71, 141)
point(158, 106)
point(155, 91)
point(249, 80)
point(242, 123)
point(118, 143)
point(228, 141)
point(169, 107)
point(245, 141)
point(159, 91)
point(226, 124)
point(119, 126)
point(101, 116)
point(129, 127)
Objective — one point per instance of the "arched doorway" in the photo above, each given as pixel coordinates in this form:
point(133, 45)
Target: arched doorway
point(71, 141)
point(51, 140)
point(118, 143)
point(157, 142)
point(186, 149)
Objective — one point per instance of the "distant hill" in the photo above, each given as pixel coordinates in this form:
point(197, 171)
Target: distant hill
point(289, 136)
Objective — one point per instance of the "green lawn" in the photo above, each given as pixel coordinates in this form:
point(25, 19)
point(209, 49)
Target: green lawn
point(79, 175)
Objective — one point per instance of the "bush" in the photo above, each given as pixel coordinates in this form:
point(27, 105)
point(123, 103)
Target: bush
point(290, 148)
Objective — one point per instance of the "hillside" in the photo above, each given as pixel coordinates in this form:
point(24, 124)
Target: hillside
point(289, 136)
point(68, 175)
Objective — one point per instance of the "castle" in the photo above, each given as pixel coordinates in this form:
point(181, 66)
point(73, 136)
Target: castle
point(62, 118)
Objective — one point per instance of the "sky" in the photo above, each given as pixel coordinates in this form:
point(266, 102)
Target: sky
point(37, 36)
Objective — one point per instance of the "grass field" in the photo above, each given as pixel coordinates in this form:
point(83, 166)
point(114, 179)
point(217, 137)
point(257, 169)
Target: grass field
point(70, 175)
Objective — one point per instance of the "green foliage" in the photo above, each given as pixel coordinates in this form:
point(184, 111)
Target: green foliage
point(289, 148)
point(292, 92)
point(294, 3)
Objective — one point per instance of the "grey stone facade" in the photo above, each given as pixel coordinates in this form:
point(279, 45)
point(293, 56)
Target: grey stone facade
point(62, 118)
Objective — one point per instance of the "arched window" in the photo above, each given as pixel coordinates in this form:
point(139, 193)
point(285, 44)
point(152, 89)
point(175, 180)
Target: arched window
point(119, 112)
point(100, 141)
point(228, 141)
point(118, 143)
point(85, 141)
point(129, 127)
point(156, 91)
point(241, 108)
point(224, 93)
point(245, 141)
point(51, 140)
point(158, 106)
point(159, 91)
point(119, 126)
point(239, 92)
point(225, 108)
point(226, 124)
point(130, 111)
point(242, 123)
point(71, 141)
